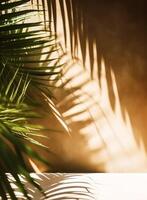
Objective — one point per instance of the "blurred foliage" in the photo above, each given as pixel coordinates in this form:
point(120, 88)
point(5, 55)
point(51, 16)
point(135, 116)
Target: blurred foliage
point(23, 74)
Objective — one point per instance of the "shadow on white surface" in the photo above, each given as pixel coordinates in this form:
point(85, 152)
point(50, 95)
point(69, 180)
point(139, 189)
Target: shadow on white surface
point(90, 186)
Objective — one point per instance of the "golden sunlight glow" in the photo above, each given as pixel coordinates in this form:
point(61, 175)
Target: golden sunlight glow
point(110, 134)
point(106, 132)
point(109, 129)
point(118, 133)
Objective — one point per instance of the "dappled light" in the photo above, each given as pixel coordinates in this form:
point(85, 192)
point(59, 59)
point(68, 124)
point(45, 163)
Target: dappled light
point(72, 98)
point(118, 92)
point(61, 186)
point(101, 115)
point(109, 135)
point(88, 186)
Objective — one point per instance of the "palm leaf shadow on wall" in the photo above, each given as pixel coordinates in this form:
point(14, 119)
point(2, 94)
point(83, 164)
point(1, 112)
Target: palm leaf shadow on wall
point(74, 105)
point(118, 28)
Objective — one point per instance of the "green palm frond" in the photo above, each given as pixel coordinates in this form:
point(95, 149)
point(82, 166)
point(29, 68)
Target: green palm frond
point(27, 66)
point(15, 137)
point(23, 44)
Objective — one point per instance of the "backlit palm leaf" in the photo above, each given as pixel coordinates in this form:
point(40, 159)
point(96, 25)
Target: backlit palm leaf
point(15, 130)
point(22, 73)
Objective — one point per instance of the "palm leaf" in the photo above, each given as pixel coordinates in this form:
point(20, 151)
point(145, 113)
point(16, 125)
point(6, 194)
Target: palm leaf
point(25, 41)
point(22, 71)
point(14, 131)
